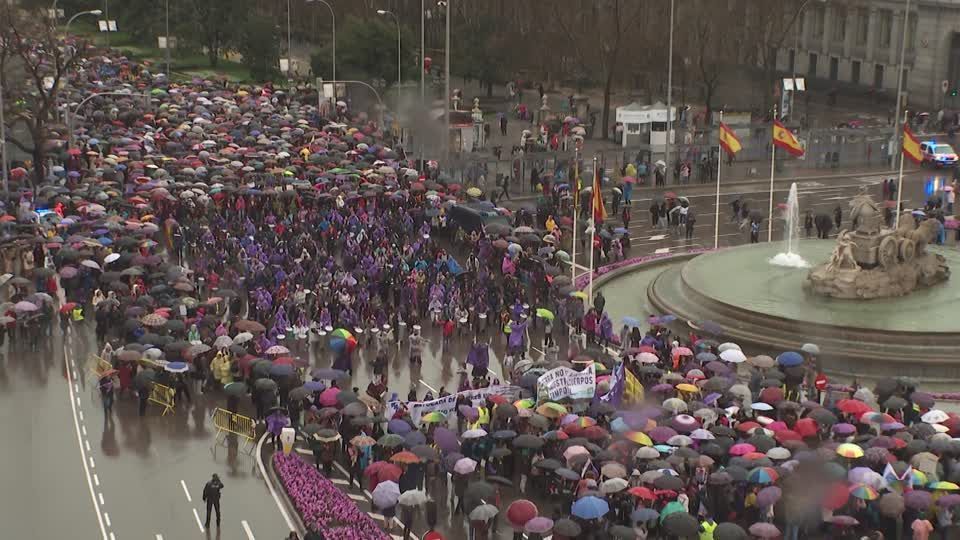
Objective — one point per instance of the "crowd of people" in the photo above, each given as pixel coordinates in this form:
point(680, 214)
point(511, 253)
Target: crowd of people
point(209, 235)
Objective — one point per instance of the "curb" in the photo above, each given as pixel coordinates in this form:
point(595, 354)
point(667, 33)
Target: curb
point(279, 493)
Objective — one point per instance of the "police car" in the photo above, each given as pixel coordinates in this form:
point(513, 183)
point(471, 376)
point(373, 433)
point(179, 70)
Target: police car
point(938, 154)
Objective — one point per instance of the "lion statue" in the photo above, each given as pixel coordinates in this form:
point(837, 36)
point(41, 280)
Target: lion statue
point(924, 234)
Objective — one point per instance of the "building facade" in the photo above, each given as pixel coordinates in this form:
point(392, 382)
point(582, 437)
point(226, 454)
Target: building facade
point(856, 44)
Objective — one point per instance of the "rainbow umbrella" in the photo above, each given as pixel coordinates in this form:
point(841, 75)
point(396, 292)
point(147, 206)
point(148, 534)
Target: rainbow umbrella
point(849, 451)
point(341, 333)
point(943, 486)
point(762, 475)
point(338, 344)
point(552, 410)
point(638, 437)
point(864, 492)
point(524, 403)
point(918, 478)
point(434, 417)
point(584, 422)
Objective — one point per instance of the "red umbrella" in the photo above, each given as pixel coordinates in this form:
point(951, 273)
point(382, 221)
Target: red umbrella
point(520, 512)
point(836, 496)
point(853, 406)
point(806, 427)
point(641, 492)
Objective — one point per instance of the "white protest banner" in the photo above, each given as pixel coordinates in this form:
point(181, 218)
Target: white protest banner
point(447, 404)
point(562, 382)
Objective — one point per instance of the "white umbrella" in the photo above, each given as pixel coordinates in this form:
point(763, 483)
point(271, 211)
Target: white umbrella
point(111, 257)
point(242, 337)
point(413, 497)
point(613, 485)
point(222, 342)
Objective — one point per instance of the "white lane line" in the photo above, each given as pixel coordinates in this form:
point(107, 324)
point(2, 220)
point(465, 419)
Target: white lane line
point(78, 401)
point(84, 430)
point(106, 518)
point(81, 416)
point(100, 496)
point(197, 516)
point(246, 529)
point(340, 481)
point(159, 537)
point(74, 401)
point(273, 492)
point(96, 479)
point(92, 464)
point(112, 537)
point(355, 497)
point(87, 444)
point(186, 491)
point(661, 251)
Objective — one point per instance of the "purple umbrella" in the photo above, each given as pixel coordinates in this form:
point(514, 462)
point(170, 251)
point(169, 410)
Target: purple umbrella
point(952, 499)
point(769, 496)
point(918, 500)
point(400, 427)
point(446, 439)
point(661, 434)
point(764, 530)
point(844, 429)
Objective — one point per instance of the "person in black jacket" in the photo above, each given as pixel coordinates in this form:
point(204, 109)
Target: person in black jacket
point(211, 494)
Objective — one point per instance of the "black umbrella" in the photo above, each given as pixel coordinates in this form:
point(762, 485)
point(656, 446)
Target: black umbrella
point(567, 474)
point(299, 394)
point(548, 464)
point(500, 452)
point(236, 389)
point(566, 527)
point(668, 481)
point(144, 378)
point(504, 434)
point(528, 441)
point(265, 385)
point(681, 524)
point(729, 531)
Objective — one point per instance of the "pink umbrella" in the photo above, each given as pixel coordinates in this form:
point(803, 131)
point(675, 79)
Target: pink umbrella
point(742, 449)
point(328, 398)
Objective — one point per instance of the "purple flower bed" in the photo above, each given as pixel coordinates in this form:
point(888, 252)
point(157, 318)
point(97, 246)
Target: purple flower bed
point(322, 506)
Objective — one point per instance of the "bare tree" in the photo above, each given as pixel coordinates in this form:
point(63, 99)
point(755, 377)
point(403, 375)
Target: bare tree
point(769, 24)
point(34, 62)
point(599, 38)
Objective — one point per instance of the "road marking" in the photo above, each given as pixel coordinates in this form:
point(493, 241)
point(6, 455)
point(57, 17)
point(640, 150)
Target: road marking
point(87, 444)
point(112, 537)
point(84, 430)
point(78, 401)
point(96, 479)
point(662, 251)
point(92, 464)
point(658, 237)
point(273, 491)
point(340, 481)
point(83, 455)
point(432, 389)
point(197, 516)
point(106, 517)
point(81, 416)
point(100, 496)
point(356, 497)
point(186, 491)
point(246, 529)
point(159, 537)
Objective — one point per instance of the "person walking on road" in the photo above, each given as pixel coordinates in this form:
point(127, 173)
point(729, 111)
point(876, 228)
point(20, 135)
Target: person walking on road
point(211, 495)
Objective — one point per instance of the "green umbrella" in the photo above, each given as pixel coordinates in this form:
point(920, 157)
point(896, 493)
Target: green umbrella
point(545, 314)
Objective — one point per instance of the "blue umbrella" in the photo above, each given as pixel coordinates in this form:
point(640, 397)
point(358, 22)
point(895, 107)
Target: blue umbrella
point(631, 321)
point(790, 359)
point(314, 386)
point(104, 241)
point(590, 507)
point(620, 230)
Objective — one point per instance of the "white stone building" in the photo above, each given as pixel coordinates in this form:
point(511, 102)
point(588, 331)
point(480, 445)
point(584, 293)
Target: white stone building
point(856, 43)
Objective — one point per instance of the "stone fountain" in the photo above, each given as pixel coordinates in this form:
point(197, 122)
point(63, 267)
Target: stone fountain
point(875, 262)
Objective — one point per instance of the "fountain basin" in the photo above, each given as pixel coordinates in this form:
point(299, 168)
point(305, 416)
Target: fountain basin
point(766, 309)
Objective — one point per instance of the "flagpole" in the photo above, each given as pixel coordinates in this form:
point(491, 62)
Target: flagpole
point(576, 204)
point(716, 218)
point(593, 229)
point(773, 158)
point(896, 222)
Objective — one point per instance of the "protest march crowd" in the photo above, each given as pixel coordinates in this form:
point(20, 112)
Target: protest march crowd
point(213, 236)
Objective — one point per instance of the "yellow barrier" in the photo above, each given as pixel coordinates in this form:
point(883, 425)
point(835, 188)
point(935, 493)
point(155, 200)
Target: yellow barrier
point(162, 396)
point(99, 366)
point(231, 423)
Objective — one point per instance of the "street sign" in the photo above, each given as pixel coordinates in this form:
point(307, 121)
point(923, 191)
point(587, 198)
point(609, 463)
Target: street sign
point(820, 383)
point(284, 65)
point(162, 42)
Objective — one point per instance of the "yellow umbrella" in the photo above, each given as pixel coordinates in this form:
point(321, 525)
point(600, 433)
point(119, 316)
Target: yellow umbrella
point(579, 294)
point(687, 387)
point(850, 451)
point(552, 410)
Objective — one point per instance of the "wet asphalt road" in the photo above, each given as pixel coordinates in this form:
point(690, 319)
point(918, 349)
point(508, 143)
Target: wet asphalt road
point(137, 464)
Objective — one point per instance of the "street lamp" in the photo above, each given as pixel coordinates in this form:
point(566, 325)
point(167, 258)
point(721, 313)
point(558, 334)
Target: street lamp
point(94, 12)
point(383, 12)
point(289, 42)
point(333, 17)
point(446, 69)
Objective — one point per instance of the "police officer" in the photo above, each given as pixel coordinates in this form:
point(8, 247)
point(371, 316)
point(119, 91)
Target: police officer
point(211, 494)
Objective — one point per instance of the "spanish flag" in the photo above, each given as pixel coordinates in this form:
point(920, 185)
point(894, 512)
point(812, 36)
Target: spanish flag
point(632, 389)
point(728, 140)
point(911, 146)
point(783, 138)
point(599, 211)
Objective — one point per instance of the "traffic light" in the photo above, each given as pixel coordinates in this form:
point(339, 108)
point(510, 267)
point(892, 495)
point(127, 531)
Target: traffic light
point(953, 92)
